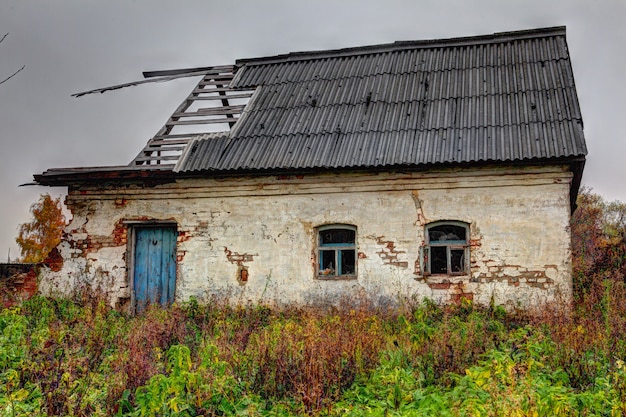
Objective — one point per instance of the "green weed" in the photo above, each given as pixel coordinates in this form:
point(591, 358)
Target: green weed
point(80, 358)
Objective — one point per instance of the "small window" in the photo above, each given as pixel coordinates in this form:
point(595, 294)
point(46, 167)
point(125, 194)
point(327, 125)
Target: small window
point(337, 252)
point(446, 251)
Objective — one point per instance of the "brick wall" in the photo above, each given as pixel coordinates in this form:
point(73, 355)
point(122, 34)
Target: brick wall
point(17, 282)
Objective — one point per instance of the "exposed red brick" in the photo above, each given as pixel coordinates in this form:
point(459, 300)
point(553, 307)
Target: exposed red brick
point(30, 285)
point(243, 275)
point(417, 270)
point(439, 285)
point(120, 233)
point(183, 236)
point(389, 254)
point(54, 260)
point(19, 287)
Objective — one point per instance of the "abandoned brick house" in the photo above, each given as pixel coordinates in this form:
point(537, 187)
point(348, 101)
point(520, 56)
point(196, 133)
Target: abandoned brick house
point(441, 169)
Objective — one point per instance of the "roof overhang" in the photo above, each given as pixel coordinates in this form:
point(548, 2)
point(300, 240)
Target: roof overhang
point(63, 177)
point(152, 175)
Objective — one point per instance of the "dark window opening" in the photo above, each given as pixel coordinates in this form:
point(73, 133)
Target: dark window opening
point(446, 251)
point(438, 260)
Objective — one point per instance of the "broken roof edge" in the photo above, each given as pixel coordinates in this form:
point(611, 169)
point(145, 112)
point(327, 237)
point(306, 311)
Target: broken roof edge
point(497, 37)
point(54, 177)
point(162, 76)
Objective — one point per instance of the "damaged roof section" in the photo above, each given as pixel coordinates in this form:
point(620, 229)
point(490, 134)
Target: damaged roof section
point(212, 106)
point(503, 97)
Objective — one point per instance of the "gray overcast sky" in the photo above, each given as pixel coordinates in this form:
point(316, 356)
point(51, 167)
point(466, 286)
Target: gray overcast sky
point(70, 46)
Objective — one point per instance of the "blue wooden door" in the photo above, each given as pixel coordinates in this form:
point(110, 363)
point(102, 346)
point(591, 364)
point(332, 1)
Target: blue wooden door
point(154, 271)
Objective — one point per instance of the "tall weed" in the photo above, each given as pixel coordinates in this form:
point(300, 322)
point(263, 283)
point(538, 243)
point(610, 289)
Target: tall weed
point(62, 357)
point(312, 357)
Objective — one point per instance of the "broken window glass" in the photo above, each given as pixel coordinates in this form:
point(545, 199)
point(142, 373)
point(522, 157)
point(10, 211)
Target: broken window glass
point(337, 251)
point(446, 251)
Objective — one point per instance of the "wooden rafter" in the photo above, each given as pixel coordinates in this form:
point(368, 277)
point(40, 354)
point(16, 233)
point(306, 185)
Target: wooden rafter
point(193, 115)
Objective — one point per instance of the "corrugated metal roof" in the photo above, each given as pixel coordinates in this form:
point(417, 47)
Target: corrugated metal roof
point(502, 97)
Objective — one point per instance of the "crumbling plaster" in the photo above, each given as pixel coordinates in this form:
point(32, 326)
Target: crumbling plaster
point(518, 217)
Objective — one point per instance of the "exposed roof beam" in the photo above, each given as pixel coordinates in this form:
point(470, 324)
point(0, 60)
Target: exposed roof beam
point(181, 71)
point(163, 76)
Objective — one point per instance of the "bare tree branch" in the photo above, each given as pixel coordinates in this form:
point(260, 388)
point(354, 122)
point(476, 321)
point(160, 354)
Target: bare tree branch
point(16, 72)
point(12, 75)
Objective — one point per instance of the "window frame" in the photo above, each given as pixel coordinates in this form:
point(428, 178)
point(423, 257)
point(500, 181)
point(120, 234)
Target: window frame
point(450, 245)
point(337, 248)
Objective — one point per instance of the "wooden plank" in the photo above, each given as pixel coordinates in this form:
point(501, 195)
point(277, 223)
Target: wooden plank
point(210, 70)
point(144, 165)
point(166, 148)
point(211, 90)
point(156, 155)
point(231, 96)
point(221, 75)
point(156, 158)
point(237, 107)
point(201, 122)
point(217, 111)
point(220, 82)
point(173, 139)
point(134, 83)
point(166, 139)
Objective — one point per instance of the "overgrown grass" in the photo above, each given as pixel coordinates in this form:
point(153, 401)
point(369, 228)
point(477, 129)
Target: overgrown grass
point(61, 357)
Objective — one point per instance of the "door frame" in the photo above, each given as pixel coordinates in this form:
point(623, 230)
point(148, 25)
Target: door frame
point(133, 226)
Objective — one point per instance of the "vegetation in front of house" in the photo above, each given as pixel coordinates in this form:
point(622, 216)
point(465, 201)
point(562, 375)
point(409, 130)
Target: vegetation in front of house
point(61, 357)
point(80, 358)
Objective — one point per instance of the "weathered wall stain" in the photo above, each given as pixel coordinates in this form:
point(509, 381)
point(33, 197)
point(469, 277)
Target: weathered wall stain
point(238, 258)
point(421, 218)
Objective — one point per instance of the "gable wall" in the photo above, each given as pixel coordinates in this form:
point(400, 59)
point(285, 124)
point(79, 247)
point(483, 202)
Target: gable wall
point(519, 236)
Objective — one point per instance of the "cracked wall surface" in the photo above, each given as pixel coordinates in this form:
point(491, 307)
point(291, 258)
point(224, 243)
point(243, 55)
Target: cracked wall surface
point(254, 239)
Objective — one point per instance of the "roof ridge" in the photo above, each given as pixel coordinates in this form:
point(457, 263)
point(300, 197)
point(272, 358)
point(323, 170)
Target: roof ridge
point(497, 37)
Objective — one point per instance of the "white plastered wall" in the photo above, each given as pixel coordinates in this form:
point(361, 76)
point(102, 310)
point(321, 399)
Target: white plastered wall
point(518, 217)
